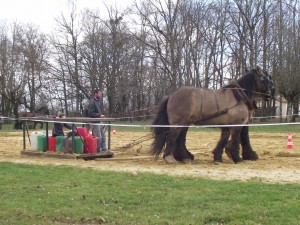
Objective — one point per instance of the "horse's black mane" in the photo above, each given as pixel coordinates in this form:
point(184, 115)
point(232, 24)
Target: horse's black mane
point(246, 84)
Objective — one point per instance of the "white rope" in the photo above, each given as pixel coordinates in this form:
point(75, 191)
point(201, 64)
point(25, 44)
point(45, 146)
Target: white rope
point(173, 126)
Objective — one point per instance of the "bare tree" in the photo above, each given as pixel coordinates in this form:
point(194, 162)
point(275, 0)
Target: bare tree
point(67, 45)
point(34, 50)
point(286, 65)
point(164, 22)
point(13, 77)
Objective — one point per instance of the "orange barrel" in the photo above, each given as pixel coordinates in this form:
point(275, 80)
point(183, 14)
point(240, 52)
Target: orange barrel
point(82, 131)
point(51, 144)
point(90, 144)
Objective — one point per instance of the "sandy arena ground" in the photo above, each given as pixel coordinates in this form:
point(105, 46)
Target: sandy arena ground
point(276, 163)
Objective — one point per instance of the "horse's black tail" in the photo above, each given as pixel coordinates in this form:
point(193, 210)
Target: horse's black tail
point(160, 133)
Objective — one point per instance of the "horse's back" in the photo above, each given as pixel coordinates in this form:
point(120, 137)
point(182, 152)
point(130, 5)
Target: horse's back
point(186, 103)
point(190, 105)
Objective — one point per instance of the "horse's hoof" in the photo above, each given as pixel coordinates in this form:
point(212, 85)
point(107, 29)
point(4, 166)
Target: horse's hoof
point(251, 156)
point(228, 153)
point(170, 159)
point(217, 162)
point(187, 161)
point(238, 161)
point(192, 157)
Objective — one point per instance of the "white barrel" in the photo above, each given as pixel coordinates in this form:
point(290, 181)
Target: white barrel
point(34, 139)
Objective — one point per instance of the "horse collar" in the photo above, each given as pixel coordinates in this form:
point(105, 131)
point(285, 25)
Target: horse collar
point(250, 104)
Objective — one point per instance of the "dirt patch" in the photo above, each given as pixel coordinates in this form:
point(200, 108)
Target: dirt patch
point(276, 163)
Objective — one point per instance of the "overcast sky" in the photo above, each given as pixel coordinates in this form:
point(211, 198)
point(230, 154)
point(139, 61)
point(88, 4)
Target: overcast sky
point(43, 12)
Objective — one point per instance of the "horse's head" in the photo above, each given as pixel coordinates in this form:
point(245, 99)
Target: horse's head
point(43, 111)
point(265, 84)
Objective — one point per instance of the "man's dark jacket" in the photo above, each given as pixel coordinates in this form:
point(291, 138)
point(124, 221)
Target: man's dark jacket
point(95, 109)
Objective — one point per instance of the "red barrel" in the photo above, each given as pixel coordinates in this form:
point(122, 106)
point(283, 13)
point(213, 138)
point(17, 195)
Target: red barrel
point(51, 144)
point(90, 144)
point(82, 131)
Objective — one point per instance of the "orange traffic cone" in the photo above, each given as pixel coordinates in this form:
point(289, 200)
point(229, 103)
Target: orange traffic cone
point(290, 144)
point(114, 131)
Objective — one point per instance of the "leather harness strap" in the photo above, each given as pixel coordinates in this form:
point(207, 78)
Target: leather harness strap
point(217, 102)
point(241, 93)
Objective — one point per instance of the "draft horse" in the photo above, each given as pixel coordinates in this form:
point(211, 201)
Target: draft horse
point(230, 105)
point(39, 112)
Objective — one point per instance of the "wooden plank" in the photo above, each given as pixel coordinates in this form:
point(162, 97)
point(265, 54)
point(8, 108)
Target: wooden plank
point(106, 154)
point(58, 155)
point(61, 155)
point(133, 158)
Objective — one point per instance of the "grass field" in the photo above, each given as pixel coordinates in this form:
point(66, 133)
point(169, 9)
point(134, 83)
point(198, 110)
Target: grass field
point(67, 195)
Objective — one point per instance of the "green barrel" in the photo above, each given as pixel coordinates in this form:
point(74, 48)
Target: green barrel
point(78, 145)
point(59, 143)
point(42, 143)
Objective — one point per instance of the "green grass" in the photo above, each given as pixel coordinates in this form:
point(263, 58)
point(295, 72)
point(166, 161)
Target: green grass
point(67, 195)
point(276, 128)
point(7, 127)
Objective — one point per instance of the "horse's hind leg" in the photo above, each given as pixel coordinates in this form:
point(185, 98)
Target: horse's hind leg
point(247, 152)
point(234, 148)
point(186, 155)
point(171, 146)
point(175, 146)
point(218, 151)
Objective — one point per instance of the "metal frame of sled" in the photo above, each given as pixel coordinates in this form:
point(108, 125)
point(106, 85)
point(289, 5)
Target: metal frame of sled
point(73, 121)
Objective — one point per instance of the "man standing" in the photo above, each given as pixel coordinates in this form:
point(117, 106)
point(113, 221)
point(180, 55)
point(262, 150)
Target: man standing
point(95, 110)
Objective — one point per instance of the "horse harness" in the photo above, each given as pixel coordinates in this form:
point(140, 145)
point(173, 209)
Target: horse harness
point(241, 93)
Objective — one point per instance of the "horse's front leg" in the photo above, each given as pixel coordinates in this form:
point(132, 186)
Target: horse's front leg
point(247, 152)
point(218, 151)
point(233, 151)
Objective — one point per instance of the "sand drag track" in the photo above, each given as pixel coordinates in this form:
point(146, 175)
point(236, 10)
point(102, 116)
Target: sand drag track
point(276, 163)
